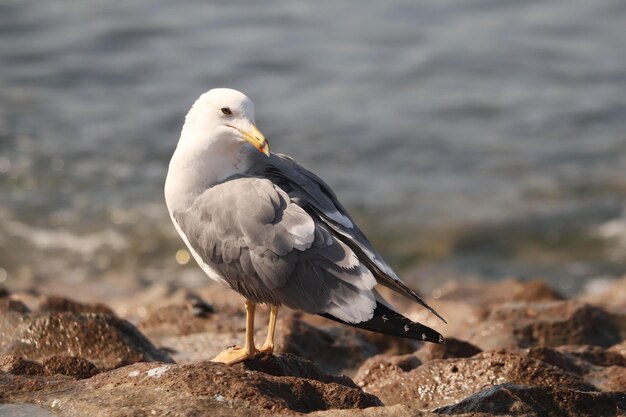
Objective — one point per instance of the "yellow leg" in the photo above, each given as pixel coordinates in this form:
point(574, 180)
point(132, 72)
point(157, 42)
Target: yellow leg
point(268, 346)
point(238, 354)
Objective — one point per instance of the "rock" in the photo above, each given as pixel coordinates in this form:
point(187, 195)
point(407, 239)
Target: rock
point(185, 318)
point(30, 299)
point(291, 365)
point(595, 355)
point(442, 382)
point(19, 410)
point(453, 348)
point(608, 294)
point(73, 366)
point(398, 410)
point(4, 292)
point(62, 304)
point(543, 356)
point(192, 330)
point(141, 304)
point(105, 340)
point(203, 388)
point(610, 378)
point(197, 346)
point(548, 324)
point(22, 388)
point(466, 305)
point(220, 297)
point(384, 364)
point(619, 348)
point(602, 368)
point(199, 307)
point(511, 399)
point(402, 379)
point(557, 358)
point(491, 294)
point(334, 349)
point(17, 365)
point(8, 304)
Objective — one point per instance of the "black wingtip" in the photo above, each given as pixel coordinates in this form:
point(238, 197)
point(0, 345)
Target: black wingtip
point(387, 321)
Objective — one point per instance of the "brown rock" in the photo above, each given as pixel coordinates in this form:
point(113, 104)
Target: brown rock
point(557, 358)
point(619, 348)
point(17, 365)
point(61, 304)
point(491, 294)
point(595, 355)
point(18, 388)
point(381, 365)
point(219, 296)
point(73, 366)
point(188, 317)
point(611, 295)
point(511, 399)
point(141, 304)
point(548, 324)
point(192, 330)
point(24, 410)
point(8, 304)
point(105, 340)
point(446, 381)
point(453, 348)
point(610, 378)
point(334, 349)
point(29, 298)
point(198, 346)
point(203, 388)
point(398, 410)
point(600, 367)
point(292, 384)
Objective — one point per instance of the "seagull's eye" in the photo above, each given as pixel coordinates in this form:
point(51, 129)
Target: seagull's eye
point(227, 111)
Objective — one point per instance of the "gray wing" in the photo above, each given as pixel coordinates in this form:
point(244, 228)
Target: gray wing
point(269, 249)
point(311, 193)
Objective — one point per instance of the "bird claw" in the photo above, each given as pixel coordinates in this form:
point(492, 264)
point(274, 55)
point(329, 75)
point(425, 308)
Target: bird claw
point(235, 354)
point(266, 349)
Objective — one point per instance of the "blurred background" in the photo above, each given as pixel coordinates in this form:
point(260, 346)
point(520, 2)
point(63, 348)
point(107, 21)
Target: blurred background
point(474, 139)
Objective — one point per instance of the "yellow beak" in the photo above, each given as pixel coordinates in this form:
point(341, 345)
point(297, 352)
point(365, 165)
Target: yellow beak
point(256, 139)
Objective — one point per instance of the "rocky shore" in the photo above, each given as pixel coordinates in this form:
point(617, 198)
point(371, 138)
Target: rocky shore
point(513, 348)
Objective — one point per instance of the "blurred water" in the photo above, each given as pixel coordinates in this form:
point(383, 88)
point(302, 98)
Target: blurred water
point(478, 137)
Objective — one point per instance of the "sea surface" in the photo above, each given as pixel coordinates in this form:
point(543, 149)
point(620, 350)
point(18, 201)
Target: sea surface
point(469, 139)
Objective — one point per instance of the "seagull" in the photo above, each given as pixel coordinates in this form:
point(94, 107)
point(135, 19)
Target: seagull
point(273, 231)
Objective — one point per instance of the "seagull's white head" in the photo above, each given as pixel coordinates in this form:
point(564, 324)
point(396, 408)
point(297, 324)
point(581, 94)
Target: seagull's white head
point(225, 117)
point(214, 144)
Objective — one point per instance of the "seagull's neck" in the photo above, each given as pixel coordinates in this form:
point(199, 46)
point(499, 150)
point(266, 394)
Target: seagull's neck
point(192, 171)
